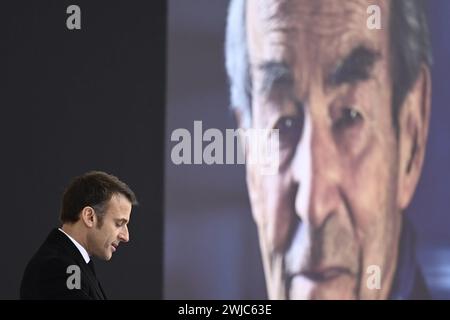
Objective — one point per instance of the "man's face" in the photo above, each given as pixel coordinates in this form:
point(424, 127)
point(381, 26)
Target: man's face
point(105, 237)
point(322, 78)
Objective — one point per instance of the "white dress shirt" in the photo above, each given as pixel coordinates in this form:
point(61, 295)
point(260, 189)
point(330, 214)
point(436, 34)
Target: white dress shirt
point(79, 247)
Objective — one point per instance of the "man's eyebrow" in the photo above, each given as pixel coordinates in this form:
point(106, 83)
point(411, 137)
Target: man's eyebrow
point(356, 66)
point(276, 75)
point(122, 220)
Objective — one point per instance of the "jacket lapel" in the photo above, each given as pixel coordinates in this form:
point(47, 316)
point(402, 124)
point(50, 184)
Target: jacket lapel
point(94, 284)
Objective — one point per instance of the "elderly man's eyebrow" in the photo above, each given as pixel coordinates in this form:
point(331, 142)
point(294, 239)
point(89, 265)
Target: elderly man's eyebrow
point(276, 75)
point(356, 66)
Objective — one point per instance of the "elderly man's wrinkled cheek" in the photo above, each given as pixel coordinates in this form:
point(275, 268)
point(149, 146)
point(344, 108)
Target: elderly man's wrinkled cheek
point(271, 208)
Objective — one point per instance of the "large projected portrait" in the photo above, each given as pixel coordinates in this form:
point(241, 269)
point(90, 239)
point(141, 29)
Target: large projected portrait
point(355, 208)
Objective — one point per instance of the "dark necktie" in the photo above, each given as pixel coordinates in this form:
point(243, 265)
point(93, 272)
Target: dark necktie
point(91, 266)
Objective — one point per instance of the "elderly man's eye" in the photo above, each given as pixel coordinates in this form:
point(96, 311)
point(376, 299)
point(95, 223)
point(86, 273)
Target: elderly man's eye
point(290, 130)
point(349, 117)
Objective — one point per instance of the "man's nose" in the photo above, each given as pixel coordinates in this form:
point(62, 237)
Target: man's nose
point(124, 235)
point(316, 170)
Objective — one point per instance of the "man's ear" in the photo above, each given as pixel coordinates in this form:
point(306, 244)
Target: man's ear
point(413, 124)
point(88, 217)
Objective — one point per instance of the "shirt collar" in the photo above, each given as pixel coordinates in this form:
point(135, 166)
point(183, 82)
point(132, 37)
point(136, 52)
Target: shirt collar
point(80, 248)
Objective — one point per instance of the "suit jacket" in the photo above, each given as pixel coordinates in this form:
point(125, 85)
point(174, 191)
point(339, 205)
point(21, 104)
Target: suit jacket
point(46, 275)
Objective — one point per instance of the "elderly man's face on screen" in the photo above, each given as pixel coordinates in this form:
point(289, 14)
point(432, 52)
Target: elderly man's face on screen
point(322, 78)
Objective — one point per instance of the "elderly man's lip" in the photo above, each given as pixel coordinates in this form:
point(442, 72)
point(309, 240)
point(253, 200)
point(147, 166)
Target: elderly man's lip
point(322, 274)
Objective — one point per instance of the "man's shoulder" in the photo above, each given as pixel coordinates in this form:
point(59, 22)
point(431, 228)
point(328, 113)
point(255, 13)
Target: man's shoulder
point(49, 261)
point(48, 271)
point(51, 252)
point(45, 261)
point(49, 278)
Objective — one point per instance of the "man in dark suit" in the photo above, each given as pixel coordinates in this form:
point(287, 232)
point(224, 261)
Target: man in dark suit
point(95, 212)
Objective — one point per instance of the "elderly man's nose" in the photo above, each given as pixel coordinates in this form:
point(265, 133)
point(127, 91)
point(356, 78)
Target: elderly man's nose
point(317, 173)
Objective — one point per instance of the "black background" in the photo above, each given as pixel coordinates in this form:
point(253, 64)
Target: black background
point(80, 100)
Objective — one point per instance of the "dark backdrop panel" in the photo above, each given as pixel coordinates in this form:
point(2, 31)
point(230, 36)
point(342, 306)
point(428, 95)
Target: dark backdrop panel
point(74, 101)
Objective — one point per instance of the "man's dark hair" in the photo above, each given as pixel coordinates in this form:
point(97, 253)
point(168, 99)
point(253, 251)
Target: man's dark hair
point(409, 38)
point(92, 189)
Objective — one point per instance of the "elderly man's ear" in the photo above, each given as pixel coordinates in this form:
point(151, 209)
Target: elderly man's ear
point(414, 119)
point(242, 118)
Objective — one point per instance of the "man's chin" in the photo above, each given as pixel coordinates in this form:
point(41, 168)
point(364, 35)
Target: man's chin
point(106, 256)
point(341, 287)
